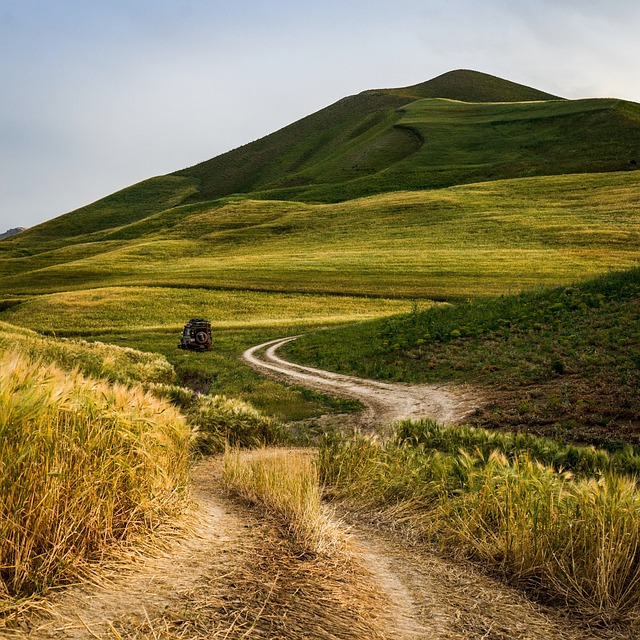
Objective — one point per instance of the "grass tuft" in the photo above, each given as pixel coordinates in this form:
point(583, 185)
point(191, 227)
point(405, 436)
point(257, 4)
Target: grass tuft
point(219, 421)
point(286, 485)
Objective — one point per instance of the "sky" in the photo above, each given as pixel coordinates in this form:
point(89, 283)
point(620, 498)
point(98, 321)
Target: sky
point(97, 95)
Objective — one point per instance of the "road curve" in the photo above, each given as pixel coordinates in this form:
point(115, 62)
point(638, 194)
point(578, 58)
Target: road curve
point(385, 401)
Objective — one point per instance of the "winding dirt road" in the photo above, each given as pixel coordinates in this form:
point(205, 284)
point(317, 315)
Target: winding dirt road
point(385, 401)
point(229, 572)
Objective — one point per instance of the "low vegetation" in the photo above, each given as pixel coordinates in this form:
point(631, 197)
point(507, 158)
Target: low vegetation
point(136, 311)
point(570, 539)
point(580, 460)
point(488, 238)
point(219, 421)
point(97, 359)
point(84, 465)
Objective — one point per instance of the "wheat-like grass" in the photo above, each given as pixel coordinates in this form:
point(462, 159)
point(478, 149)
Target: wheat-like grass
point(286, 484)
point(82, 465)
point(574, 539)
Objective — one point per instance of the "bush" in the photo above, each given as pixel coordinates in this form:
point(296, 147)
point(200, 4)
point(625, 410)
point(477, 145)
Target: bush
point(218, 420)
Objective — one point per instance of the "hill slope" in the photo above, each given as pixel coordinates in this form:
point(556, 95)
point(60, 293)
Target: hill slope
point(362, 132)
point(178, 230)
point(455, 242)
point(434, 134)
point(561, 362)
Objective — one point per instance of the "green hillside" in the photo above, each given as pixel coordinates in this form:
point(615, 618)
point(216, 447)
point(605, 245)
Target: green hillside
point(461, 127)
point(561, 362)
point(472, 86)
point(353, 138)
point(448, 243)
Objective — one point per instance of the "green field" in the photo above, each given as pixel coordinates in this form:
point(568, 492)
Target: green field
point(441, 244)
point(462, 186)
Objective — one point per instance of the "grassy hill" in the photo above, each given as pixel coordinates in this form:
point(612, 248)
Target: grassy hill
point(561, 362)
point(447, 243)
point(472, 86)
point(353, 138)
point(466, 184)
point(461, 127)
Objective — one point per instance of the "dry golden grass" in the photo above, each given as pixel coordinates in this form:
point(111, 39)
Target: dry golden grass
point(96, 359)
point(83, 465)
point(573, 541)
point(286, 484)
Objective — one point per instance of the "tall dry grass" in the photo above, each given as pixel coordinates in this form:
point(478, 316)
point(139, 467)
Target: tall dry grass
point(286, 484)
point(219, 421)
point(83, 464)
point(96, 359)
point(574, 540)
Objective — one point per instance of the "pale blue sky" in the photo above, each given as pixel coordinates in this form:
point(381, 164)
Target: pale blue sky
point(97, 95)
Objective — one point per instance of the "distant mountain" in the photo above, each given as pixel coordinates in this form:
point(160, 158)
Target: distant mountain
point(458, 128)
point(11, 232)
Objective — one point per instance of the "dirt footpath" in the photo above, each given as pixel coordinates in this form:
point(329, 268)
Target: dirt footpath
point(233, 574)
point(385, 401)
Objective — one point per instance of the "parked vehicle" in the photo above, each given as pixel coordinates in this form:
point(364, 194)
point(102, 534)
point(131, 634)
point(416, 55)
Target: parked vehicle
point(196, 335)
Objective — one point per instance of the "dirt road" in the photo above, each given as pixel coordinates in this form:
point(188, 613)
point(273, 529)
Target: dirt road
point(385, 401)
point(232, 573)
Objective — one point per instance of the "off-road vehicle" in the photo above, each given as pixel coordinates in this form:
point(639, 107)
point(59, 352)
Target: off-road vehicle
point(196, 335)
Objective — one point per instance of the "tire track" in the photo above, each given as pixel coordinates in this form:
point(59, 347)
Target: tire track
point(385, 401)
